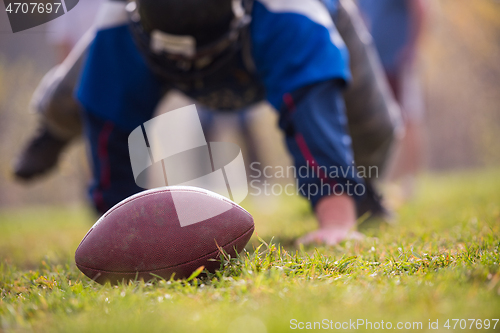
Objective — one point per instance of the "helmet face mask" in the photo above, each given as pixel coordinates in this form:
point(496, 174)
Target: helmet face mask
point(184, 40)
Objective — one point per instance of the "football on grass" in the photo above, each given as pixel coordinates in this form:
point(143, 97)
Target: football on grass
point(165, 232)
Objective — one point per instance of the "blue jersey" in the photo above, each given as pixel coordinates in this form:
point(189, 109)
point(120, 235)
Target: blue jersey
point(294, 44)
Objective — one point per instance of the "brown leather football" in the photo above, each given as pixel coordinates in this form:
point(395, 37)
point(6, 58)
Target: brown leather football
point(163, 232)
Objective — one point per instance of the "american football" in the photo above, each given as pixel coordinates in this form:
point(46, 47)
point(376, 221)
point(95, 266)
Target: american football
point(142, 236)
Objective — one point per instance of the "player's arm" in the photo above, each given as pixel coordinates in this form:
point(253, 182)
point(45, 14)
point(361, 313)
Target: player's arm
point(314, 122)
point(315, 126)
point(303, 62)
point(304, 65)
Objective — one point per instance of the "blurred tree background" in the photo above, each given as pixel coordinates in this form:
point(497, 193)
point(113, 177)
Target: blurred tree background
point(459, 67)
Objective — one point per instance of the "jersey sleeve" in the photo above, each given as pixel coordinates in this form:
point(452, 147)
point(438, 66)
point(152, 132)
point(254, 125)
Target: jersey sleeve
point(295, 44)
point(314, 122)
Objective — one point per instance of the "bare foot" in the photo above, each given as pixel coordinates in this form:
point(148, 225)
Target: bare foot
point(329, 237)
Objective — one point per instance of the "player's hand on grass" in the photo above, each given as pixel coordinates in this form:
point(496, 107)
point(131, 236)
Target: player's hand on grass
point(329, 237)
point(337, 220)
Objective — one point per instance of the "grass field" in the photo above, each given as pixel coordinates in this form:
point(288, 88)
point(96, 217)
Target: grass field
point(440, 262)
